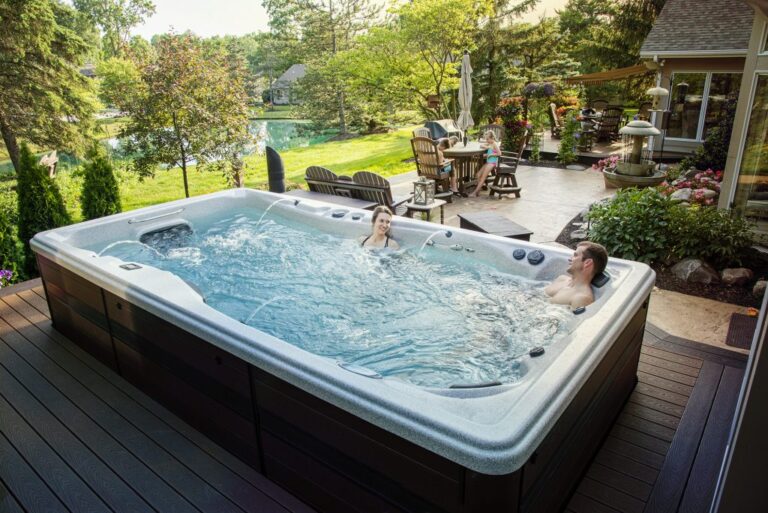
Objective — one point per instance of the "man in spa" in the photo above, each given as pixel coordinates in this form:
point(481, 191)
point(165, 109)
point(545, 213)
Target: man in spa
point(574, 287)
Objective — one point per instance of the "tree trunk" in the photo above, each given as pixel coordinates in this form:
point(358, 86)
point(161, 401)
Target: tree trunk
point(183, 152)
point(342, 114)
point(186, 182)
point(11, 144)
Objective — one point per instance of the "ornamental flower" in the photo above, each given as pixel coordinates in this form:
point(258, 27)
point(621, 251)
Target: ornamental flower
point(5, 277)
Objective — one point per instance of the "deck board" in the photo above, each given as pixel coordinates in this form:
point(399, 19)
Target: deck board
point(133, 453)
point(109, 447)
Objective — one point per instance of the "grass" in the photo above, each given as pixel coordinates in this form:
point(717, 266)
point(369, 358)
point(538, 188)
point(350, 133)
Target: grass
point(381, 153)
point(276, 112)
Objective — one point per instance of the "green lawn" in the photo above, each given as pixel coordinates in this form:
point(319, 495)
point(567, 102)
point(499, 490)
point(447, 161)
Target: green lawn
point(381, 153)
point(276, 112)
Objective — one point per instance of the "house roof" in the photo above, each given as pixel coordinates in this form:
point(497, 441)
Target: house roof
point(291, 75)
point(698, 28)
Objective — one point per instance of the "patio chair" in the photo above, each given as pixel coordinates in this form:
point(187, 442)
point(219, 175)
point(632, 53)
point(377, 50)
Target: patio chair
point(422, 132)
point(498, 131)
point(608, 128)
point(644, 113)
point(598, 105)
point(505, 181)
point(320, 179)
point(554, 121)
point(376, 188)
point(428, 165)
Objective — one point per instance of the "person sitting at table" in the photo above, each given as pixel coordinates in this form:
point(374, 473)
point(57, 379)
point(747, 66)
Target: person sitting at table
point(491, 161)
point(381, 232)
point(444, 144)
point(574, 287)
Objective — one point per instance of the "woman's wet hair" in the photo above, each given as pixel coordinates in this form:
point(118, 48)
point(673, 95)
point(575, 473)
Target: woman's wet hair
point(381, 209)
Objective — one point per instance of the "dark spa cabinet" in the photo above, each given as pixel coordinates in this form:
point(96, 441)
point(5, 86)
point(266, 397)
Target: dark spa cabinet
point(333, 460)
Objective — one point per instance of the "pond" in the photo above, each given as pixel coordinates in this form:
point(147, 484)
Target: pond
point(281, 134)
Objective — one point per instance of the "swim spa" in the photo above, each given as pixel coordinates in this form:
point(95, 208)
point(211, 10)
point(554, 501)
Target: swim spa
point(343, 434)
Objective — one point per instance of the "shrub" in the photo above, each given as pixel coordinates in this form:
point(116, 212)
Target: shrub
point(11, 250)
point(512, 114)
point(101, 195)
point(713, 153)
point(645, 225)
point(713, 235)
point(567, 151)
point(634, 225)
point(699, 183)
point(40, 204)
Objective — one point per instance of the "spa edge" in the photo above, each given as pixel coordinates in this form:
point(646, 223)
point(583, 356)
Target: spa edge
point(337, 459)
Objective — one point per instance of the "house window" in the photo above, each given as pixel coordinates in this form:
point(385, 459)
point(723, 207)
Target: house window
point(696, 102)
point(751, 197)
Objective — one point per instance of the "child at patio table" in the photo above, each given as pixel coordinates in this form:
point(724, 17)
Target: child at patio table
point(491, 160)
point(444, 144)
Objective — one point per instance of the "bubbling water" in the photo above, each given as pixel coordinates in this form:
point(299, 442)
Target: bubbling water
point(428, 321)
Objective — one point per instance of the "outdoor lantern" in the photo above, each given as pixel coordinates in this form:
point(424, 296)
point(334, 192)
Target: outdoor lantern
point(423, 191)
point(657, 93)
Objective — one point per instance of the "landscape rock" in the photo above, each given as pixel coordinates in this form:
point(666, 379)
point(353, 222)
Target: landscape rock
point(691, 172)
point(682, 194)
point(578, 235)
point(759, 288)
point(709, 193)
point(737, 276)
point(695, 271)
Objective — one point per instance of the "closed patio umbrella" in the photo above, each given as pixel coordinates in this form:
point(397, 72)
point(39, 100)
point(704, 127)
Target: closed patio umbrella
point(465, 95)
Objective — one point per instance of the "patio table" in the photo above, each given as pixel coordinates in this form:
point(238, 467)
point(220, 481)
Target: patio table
point(467, 160)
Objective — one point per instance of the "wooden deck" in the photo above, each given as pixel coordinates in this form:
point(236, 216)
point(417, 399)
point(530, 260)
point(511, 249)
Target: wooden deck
point(76, 437)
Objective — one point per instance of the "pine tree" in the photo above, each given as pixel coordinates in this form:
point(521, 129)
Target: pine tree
point(101, 194)
point(41, 206)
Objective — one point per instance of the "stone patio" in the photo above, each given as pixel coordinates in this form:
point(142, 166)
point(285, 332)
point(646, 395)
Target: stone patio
point(550, 198)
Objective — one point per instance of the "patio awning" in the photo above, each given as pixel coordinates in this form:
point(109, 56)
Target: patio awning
point(607, 76)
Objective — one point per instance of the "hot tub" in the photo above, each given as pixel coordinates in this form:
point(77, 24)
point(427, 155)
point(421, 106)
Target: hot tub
point(341, 436)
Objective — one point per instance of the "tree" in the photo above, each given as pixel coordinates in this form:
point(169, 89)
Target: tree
point(191, 105)
point(40, 204)
point(101, 194)
point(43, 97)
point(327, 27)
point(118, 79)
point(116, 18)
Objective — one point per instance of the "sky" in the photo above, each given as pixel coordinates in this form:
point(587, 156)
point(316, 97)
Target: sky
point(237, 17)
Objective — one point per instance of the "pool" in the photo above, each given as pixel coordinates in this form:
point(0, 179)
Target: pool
point(342, 435)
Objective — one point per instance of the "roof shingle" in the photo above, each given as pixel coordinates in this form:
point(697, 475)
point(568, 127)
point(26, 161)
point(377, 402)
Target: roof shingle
point(703, 26)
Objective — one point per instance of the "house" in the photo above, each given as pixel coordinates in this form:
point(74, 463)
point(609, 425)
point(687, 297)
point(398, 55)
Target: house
point(283, 88)
point(698, 48)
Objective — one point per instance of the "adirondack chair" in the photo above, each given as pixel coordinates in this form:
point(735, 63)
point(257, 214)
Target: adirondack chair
point(372, 187)
point(598, 105)
point(429, 165)
point(554, 121)
point(498, 131)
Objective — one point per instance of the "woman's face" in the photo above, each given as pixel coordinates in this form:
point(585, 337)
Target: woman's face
point(381, 225)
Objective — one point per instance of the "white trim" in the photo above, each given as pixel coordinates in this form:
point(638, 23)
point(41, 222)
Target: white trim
point(696, 53)
point(704, 106)
point(743, 139)
point(762, 48)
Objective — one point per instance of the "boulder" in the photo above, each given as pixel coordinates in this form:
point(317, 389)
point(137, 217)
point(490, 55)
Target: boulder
point(682, 194)
point(737, 276)
point(709, 193)
point(578, 235)
point(695, 271)
point(691, 172)
point(759, 288)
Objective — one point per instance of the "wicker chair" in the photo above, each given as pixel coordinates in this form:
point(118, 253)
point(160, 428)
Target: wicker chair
point(429, 165)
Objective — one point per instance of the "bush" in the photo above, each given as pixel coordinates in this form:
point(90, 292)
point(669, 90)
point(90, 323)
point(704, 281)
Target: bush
point(11, 249)
point(645, 225)
point(713, 235)
point(713, 153)
point(634, 225)
point(567, 151)
point(40, 204)
point(101, 195)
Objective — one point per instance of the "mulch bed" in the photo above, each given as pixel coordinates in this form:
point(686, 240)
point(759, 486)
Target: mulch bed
point(737, 295)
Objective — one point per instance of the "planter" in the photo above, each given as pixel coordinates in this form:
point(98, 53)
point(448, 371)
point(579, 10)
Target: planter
point(617, 180)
